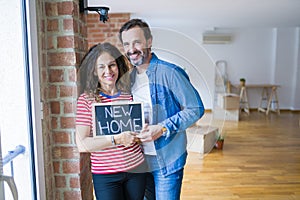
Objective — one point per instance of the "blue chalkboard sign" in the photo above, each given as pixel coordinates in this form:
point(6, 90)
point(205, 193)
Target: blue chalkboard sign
point(114, 118)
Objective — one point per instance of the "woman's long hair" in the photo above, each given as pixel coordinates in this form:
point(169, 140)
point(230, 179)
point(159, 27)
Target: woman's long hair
point(89, 81)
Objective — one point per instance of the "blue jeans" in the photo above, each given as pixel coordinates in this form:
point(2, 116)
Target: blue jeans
point(119, 186)
point(161, 187)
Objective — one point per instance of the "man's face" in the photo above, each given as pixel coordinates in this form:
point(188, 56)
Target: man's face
point(136, 47)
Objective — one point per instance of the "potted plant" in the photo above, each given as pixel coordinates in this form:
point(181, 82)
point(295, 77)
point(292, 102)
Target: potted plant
point(242, 82)
point(220, 142)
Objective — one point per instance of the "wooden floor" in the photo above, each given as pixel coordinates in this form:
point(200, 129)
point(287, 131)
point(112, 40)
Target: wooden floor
point(260, 160)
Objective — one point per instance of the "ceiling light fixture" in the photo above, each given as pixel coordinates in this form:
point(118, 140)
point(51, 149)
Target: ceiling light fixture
point(101, 10)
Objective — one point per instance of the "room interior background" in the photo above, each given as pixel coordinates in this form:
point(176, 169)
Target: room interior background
point(60, 36)
point(264, 45)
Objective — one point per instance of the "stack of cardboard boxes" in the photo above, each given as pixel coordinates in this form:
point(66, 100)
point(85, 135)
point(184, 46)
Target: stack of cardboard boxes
point(229, 105)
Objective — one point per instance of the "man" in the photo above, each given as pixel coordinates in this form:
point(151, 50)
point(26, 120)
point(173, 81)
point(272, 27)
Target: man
point(173, 105)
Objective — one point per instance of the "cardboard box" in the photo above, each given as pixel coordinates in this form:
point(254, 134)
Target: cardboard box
point(229, 101)
point(222, 114)
point(201, 139)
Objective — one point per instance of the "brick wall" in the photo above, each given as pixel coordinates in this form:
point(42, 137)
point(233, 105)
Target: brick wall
point(64, 37)
point(62, 44)
point(108, 31)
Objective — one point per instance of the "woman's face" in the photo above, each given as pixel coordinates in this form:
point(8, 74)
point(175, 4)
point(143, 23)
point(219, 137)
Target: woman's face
point(107, 70)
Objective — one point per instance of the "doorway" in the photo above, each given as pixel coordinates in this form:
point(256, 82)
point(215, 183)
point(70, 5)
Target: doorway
point(19, 108)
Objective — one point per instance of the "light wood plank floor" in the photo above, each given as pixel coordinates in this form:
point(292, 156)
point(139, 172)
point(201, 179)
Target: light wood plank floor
point(260, 160)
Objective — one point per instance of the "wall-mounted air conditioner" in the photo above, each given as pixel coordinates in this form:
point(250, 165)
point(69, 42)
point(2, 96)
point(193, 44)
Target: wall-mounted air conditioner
point(216, 38)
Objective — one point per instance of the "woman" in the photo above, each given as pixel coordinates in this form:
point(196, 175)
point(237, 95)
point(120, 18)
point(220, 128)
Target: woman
point(114, 158)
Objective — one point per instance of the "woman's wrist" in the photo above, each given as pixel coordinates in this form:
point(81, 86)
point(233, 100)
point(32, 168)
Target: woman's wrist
point(113, 142)
point(116, 139)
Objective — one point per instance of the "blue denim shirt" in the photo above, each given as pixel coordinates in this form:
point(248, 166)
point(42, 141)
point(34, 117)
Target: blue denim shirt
point(176, 105)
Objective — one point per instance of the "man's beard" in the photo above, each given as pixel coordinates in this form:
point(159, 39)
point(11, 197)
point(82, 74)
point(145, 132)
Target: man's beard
point(144, 54)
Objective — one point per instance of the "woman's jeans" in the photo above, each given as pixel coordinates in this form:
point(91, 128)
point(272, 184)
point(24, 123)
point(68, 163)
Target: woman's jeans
point(162, 187)
point(119, 186)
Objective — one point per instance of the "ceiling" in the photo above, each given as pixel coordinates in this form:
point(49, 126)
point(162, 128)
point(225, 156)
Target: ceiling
point(210, 13)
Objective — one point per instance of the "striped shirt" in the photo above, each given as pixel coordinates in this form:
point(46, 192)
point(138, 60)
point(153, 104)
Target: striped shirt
point(112, 159)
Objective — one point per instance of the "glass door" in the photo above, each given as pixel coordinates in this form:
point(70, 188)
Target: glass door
point(17, 107)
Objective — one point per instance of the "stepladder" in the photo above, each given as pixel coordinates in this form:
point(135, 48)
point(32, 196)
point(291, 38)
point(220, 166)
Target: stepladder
point(244, 104)
point(270, 100)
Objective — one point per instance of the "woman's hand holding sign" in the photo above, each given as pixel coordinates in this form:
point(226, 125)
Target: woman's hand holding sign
point(126, 138)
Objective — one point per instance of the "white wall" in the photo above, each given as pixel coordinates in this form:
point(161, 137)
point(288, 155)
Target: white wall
point(178, 48)
point(261, 55)
point(249, 56)
point(287, 67)
point(296, 83)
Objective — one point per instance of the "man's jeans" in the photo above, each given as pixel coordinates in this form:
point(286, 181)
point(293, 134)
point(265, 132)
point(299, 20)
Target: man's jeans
point(166, 188)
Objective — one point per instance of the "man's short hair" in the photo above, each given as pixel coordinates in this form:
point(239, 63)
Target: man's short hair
point(133, 23)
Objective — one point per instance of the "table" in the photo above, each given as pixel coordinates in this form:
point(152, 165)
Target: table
point(268, 95)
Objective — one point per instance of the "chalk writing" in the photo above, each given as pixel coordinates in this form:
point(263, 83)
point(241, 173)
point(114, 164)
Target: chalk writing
point(116, 118)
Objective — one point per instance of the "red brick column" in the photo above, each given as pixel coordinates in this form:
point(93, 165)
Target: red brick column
point(63, 42)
